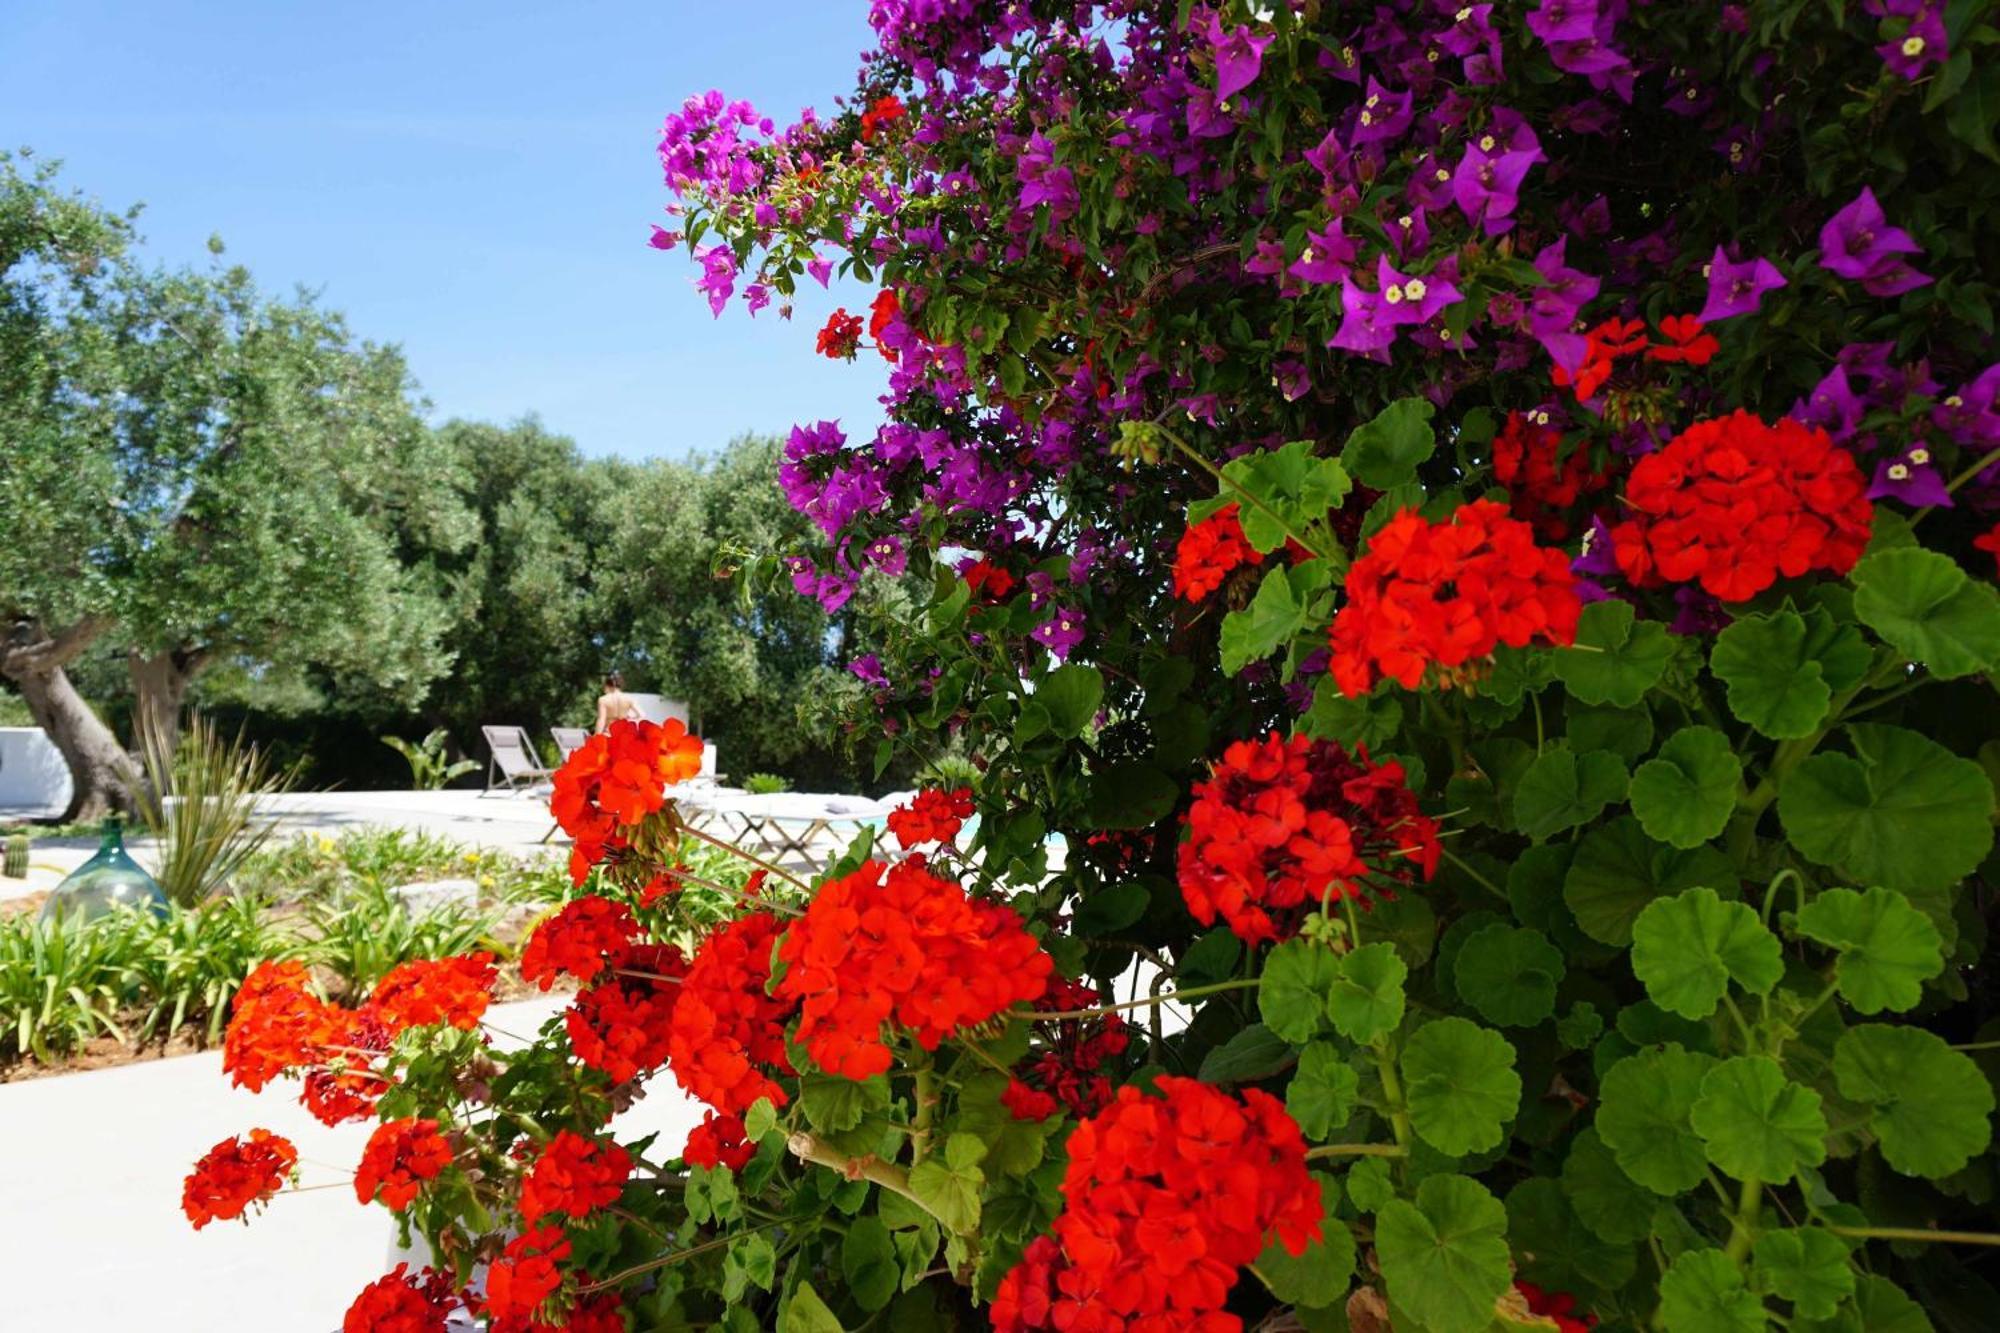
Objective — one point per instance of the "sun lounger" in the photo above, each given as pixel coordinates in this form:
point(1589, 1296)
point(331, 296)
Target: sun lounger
point(568, 741)
point(512, 763)
point(787, 823)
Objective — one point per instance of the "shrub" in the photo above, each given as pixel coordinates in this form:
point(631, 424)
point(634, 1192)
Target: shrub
point(1472, 523)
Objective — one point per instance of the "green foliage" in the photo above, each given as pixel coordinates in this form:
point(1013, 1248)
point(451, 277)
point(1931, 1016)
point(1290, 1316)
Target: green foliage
point(765, 784)
point(200, 805)
point(430, 769)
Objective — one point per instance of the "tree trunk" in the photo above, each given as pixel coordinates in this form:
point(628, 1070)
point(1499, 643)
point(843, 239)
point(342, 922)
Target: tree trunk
point(100, 771)
point(159, 687)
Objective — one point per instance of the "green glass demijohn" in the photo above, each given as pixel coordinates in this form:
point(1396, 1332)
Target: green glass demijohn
point(107, 880)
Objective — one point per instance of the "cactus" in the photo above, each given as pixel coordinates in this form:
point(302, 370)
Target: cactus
point(15, 865)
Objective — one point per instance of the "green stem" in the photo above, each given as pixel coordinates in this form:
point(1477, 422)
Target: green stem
point(1476, 877)
point(1743, 1224)
point(1918, 1234)
point(1977, 1046)
point(888, 1175)
point(920, 1123)
point(1185, 993)
point(1357, 1150)
point(1224, 481)
point(1392, 1088)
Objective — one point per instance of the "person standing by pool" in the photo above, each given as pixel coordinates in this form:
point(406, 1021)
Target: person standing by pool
point(614, 704)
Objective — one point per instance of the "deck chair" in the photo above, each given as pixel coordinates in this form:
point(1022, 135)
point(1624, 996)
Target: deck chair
point(568, 741)
point(513, 763)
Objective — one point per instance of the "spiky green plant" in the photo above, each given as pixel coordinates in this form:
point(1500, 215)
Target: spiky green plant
point(200, 804)
point(429, 769)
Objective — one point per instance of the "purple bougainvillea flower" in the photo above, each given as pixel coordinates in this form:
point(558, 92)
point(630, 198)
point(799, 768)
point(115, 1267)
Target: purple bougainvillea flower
point(1060, 633)
point(821, 269)
point(1832, 405)
point(1486, 185)
point(1292, 379)
point(1411, 234)
point(869, 670)
point(1859, 244)
point(1553, 307)
point(1384, 115)
point(1912, 478)
point(1364, 327)
point(1430, 183)
point(886, 554)
point(1238, 57)
point(1328, 255)
point(1473, 39)
point(1968, 416)
point(1042, 181)
point(1596, 559)
point(662, 239)
point(1737, 289)
point(1923, 44)
point(1411, 300)
point(718, 276)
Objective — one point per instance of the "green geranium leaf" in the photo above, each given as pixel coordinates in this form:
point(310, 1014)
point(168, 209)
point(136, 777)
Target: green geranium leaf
point(1888, 948)
point(833, 1105)
point(1274, 615)
point(1687, 950)
point(950, 1189)
point(1781, 670)
point(1384, 453)
point(1509, 975)
point(805, 1312)
point(1684, 795)
point(1366, 1000)
point(750, 1258)
point(1320, 1276)
point(868, 1262)
point(1369, 1185)
point(1618, 871)
point(1253, 1053)
point(1879, 1306)
point(1129, 794)
point(1554, 1248)
point(1923, 604)
point(1932, 1106)
point(1758, 1124)
point(1580, 1028)
point(1444, 1257)
point(1626, 732)
point(1562, 789)
point(1606, 1200)
point(1461, 1086)
point(1322, 1090)
point(1296, 487)
point(758, 1120)
point(1904, 811)
point(1642, 1116)
point(1613, 660)
point(1808, 1267)
point(1703, 1292)
point(1292, 993)
point(1071, 695)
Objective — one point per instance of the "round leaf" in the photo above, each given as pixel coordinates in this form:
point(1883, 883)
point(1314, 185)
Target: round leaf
point(1924, 604)
point(1606, 1200)
point(1384, 452)
point(1758, 1124)
point(1509, 975)
point(1461, 1086)
point(1684, 795)
point(1561, 790)
point(1904, 811)
point(1366, 999)
point(1291, 994)
point(1888, 949)
point(1806, 1266)
point(1687, 950)
point(1613, 661)
point(1445, 1257)
point(1618, 871)
point(1322, 1090)
point(1554, 1248)
point(1642, 1116)
point(1775, 685)
point(1932, 1106)
point(1703, 1292)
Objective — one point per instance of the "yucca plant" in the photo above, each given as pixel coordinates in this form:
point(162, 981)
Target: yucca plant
point(200, 805)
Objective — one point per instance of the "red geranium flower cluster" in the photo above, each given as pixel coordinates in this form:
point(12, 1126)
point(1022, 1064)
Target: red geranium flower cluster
point(524, 1276)
point(586, 937)
point(899, 944)
point(718, 1141)
point(1557, 1307)
point(614, 780)
point(402, 1302)
point(343, 1086)
point(234, 1174)
point(276, 1024)
point(1281, 823)
point(447, 990)
point(1735, 502)
point(1165, 1199)
point(1065, 1075)
point(1209, 552)
point(1541, 487)
point(840, 335)
point(883, 112)
point(933, 816)
point(988, 581)
point(1444, 594)
point(621, 1025)
point(885, 310)
point(573, 1175)
point(726, 1031)
point(401, 1155)
point(1615, 339)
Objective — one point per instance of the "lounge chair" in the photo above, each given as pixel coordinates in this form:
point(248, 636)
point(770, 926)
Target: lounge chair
point(788, 824)
point(568, 741)
point(513, 763)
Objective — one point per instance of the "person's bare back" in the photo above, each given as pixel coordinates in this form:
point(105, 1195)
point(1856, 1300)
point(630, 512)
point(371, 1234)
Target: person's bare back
point(614, 705)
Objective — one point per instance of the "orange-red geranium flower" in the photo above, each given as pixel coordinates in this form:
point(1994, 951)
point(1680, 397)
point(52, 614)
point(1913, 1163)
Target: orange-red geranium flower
point(402, 1302)
point(575, 1176)
point(613, 781)
point(235, 1174)
point(588, 935)
point(932, 816)
point(1209, 551)
point(401, 1155)
point(839, 336)
point(424, 991)
point(726, 1031)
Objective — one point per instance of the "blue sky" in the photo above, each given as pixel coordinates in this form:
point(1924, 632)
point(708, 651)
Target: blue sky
point(472, 181)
